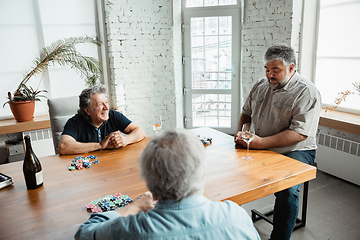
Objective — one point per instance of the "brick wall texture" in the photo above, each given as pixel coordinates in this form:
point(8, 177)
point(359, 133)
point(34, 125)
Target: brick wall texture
point(141, 45)
point(144, 44)
point(265, 23)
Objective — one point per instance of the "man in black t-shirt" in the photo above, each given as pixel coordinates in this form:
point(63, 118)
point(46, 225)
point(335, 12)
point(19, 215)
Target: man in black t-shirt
point(96, 127)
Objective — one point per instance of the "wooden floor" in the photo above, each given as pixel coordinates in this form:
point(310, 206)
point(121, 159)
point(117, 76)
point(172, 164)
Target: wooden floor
point(333, 211)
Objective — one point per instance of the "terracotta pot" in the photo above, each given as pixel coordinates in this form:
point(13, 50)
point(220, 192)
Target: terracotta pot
point(23, 111)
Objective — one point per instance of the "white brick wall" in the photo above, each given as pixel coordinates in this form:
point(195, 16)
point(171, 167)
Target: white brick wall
point(145, 47)
point(266, 23)
point(145, 73)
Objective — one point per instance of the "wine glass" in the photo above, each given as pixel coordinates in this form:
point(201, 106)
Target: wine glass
point(247, 134)
point(157, 124)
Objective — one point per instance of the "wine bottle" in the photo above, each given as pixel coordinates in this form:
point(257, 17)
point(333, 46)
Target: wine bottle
point(32, 167)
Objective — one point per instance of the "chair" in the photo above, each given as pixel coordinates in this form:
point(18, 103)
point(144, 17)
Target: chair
point(60, 110)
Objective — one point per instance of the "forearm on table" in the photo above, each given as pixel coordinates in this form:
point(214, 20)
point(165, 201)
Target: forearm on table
point(129, 209)
point(283, 139)
point(77, 147)
point(135, 135)
point(97, 227)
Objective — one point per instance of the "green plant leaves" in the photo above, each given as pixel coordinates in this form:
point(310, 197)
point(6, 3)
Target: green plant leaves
point(62, 52)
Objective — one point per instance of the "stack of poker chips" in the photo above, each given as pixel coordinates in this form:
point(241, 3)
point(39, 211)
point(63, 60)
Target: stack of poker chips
point(81, 162)
point(205, 140)
point(109, 202)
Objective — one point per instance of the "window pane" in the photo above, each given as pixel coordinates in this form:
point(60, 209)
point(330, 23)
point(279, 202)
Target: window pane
point(18, 47)
point(211, 49)
point(201, 3)
point(197, 26)
point(334, 76)
point(212, 110)
point(338, 51)
point(211, 25)
point(225, 25)
point(336, 36)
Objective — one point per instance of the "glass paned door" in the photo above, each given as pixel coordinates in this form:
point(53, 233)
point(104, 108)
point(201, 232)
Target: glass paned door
point(211, 77)
point(212, 110)
point(211, 52)
point(202, 3)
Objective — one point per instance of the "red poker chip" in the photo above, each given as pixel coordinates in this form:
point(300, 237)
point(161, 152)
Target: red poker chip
point(90, 206)
point(96, 209)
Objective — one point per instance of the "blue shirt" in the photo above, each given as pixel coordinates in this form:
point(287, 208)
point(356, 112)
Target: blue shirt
point(84, 131)
point(194, 217)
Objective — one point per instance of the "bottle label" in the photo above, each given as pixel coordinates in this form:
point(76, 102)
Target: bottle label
point(39, 178)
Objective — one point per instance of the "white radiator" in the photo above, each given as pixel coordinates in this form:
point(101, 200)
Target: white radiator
point(339, 157)
point(41, 142)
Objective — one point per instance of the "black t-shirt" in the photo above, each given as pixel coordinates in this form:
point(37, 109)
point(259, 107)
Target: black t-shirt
point(84, 131)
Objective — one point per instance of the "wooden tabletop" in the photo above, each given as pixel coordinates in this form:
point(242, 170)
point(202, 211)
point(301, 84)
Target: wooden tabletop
point(56, 210)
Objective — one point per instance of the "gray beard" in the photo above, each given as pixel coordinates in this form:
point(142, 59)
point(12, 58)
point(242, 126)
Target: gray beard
point(280, 84)
point(277, 85)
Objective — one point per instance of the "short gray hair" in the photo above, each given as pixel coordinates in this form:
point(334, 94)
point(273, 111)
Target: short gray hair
point(85, 98)
point(173, 165)
point(280, 52)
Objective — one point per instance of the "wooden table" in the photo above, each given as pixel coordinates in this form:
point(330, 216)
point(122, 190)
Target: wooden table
point(56, 210)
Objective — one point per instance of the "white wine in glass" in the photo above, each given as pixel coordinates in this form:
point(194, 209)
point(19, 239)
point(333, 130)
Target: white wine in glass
point(248, 134)
point(157, 124)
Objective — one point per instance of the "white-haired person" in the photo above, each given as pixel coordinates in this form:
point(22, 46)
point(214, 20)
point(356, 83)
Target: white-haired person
point(173, 167)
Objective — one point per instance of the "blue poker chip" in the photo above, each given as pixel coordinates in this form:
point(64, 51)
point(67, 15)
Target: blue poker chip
point(128, 200)
point(106, 206)
point(114, 198)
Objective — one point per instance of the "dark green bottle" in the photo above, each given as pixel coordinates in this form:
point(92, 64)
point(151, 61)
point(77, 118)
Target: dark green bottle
point(32, 167)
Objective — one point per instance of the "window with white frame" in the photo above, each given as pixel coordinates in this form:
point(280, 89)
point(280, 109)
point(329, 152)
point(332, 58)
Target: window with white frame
point(211, 60)
point(338, 52)
point(28, 26)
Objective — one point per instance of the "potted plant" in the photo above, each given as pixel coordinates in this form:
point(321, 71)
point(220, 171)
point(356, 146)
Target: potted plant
point(64, 53)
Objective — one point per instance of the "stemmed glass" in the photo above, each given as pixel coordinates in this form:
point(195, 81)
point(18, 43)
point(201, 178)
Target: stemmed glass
point(247, 134)
point(157, 124)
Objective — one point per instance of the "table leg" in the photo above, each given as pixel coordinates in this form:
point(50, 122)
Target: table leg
point(256, 215)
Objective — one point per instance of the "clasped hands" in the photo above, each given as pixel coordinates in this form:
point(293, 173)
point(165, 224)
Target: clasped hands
point(114, 140)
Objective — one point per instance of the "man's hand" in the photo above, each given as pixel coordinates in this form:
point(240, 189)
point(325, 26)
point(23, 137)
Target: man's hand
point(283, 139)
point(145, 201)
point(256, 143)
point(237, 137)
point(142, 203)
point(106, 142)
point(118, 140)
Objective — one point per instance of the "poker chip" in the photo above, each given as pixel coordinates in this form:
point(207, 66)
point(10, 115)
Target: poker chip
point(96, 209)
point(90, 206)
point(124, 196)
point(108, 203)
point(81, 162)
point(205, 140)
